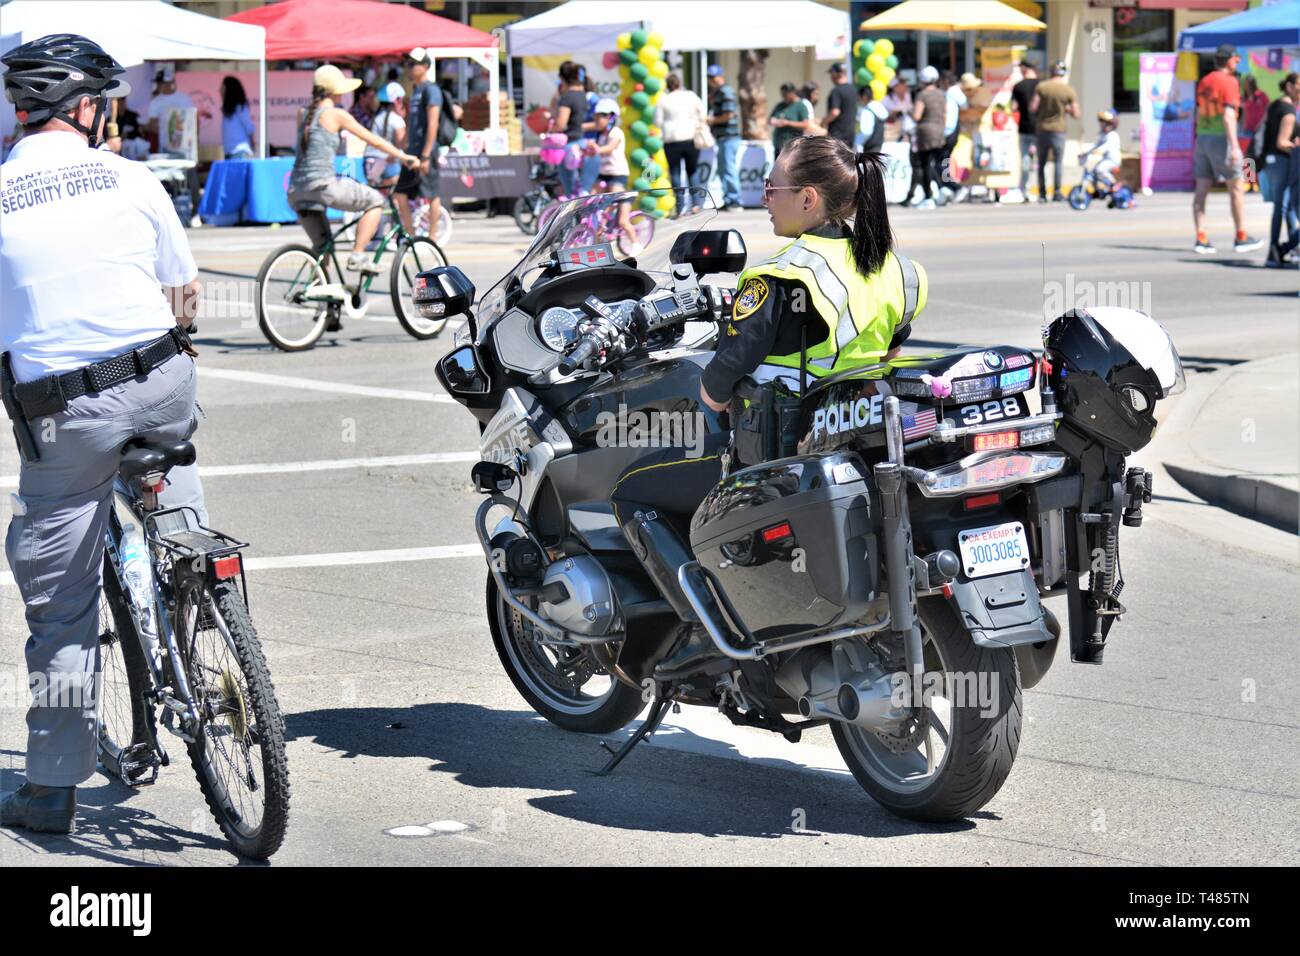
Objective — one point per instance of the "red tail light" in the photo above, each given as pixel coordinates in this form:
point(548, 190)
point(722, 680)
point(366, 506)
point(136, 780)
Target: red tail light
point(994, 441)
point(227, 567)
point(777, 532)
point(981, 501)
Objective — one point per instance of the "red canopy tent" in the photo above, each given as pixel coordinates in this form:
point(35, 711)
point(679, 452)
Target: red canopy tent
point(358, 29)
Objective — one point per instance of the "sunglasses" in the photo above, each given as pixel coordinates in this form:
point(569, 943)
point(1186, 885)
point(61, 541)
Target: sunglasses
point(768, 189)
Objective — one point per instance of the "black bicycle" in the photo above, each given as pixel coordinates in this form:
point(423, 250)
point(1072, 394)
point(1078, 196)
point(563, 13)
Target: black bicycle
point(304, 291)
point(176, 639)
point(546, 189)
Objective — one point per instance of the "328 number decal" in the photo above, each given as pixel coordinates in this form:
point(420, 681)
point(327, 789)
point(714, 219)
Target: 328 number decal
point(990, 411)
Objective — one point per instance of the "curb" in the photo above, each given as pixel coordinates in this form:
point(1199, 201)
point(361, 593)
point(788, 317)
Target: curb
point(1271, 499)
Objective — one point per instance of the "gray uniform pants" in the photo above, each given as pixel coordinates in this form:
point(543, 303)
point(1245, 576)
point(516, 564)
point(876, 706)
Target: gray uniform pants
point(56, 550)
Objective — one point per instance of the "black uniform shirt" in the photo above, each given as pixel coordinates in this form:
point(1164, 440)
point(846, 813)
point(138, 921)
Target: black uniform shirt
point(768, 318)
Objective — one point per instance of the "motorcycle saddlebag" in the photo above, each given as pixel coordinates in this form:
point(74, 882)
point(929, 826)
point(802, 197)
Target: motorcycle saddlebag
point(791, 543)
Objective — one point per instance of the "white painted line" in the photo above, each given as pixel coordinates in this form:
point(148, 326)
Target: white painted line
point(341, 559)
point(315, 385)
point(326, 464)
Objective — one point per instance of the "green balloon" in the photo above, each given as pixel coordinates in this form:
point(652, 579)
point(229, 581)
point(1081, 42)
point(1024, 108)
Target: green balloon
point(627, 56)
point(640, 157)
point(649, 203)
point(862, 77)
point(653, 144)
point(652, 84)
point(638, 129)
point(641, 184)
point(638, 71)
point(648, 114)
point(891, 61)
point(638, 39)
point(651, 171)
point(867, 47)
point(657, 213)
point(640, 100)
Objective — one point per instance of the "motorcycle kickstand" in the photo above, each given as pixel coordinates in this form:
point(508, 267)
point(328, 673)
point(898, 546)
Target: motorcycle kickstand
point(658, 710)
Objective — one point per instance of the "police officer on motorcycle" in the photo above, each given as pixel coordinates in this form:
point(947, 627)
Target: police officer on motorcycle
point(837, 297)
point(98, 287)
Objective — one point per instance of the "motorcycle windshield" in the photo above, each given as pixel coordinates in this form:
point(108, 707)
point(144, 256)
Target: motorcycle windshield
point(591, 220)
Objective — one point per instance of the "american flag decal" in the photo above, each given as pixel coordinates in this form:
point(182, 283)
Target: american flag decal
point(922, 423)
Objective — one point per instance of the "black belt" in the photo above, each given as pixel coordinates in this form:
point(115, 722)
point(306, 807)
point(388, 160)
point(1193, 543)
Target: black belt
point(50, 395)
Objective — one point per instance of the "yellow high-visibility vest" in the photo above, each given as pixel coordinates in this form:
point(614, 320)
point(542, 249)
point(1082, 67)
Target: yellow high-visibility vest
point(861, 315)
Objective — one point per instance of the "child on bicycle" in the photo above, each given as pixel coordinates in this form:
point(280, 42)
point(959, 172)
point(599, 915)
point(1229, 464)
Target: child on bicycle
point(382, 170)
point(611, 146)
point(1103, 158)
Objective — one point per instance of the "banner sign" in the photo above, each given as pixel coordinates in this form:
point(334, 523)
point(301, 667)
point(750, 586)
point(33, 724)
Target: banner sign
point(1167, 103)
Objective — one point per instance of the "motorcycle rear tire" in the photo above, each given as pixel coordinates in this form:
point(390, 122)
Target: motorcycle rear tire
point(981, 749)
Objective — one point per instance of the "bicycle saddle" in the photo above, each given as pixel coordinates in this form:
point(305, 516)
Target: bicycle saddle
point(141, 457)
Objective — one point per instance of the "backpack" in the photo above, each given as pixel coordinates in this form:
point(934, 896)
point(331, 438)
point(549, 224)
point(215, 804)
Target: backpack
point(446, 122)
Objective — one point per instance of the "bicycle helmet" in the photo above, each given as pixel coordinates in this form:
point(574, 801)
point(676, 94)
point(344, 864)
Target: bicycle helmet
point(1109, 368)
point(45, 78)
point(608, 105)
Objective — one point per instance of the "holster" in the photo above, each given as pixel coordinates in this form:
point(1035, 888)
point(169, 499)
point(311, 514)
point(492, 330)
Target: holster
point(765, 424)
point(22, 428)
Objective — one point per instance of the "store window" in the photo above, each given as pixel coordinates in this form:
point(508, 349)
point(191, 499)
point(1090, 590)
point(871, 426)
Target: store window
point(1137, 31)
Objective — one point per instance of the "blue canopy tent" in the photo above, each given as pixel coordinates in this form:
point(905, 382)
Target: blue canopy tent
point(1274, 25)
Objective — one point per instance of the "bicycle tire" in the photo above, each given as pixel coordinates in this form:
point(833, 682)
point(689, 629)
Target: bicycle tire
point(122, 680)
point(400, 284)
point(264, 321)
point(257, 694)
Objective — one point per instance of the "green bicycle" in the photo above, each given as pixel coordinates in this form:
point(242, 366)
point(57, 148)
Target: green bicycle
point(304, 292)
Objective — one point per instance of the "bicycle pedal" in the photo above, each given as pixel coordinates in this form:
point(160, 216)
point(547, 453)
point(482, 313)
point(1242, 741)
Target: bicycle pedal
point(135, 762)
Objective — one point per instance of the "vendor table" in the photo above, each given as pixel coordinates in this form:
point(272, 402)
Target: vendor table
point(257, 190)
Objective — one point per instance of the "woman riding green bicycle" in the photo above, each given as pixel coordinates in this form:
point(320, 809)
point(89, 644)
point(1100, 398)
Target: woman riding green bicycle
point(314, 183)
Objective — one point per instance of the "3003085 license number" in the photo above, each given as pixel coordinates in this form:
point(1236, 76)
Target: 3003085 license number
point(993, 550)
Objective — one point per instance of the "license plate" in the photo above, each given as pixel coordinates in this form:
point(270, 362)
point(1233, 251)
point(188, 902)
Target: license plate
point(993, 550)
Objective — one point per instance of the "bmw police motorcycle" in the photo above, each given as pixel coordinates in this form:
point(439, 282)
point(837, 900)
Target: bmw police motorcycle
point(880, 566)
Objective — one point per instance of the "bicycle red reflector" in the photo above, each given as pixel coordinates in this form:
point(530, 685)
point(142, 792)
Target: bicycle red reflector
point(995, 440)
point(981, 501)
point(227, 567)
point(777, 532)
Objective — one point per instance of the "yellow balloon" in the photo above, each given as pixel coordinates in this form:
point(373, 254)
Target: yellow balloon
point(886, 73)
point(659, 70)
point(878, 89)
point(624, 41)
point(656, 40)
point(649, 54)
point(875, 63)
point(884, 47)
point(666, 202)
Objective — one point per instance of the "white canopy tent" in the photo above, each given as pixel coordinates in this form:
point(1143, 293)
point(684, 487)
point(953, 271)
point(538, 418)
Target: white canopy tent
point(135, 31)
point(582, 26)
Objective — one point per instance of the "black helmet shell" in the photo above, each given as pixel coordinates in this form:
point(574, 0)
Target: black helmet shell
point(45, 75)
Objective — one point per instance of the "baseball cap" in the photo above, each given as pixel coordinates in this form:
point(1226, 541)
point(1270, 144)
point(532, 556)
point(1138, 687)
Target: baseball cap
point(836, 68)
point(1226, 51)
point(715, 70)
point(331, 79)
point(166, 73)
point(1059, 68)
point(391, 93)
point(420, 55)
point(929, 75)
point(969, 81)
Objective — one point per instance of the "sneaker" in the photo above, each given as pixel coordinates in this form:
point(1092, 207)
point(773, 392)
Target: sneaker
point(1203, 249)
point(1042, 198)
point(1279, 260)
point(926, 204)
point(360, 262)
point(1247, 245)
point(1058, 198)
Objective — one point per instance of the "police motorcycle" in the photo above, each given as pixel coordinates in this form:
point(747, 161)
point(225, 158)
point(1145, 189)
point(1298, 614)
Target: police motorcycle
point(881, 569)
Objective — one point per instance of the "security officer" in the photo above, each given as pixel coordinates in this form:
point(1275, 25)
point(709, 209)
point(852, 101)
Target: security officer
point(837, 297)
point(96, 282)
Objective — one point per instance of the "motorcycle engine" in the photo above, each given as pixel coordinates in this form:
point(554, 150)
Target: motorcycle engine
point(577, 595)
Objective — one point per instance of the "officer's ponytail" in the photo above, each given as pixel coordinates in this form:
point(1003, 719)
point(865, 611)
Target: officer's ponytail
point(852, 186)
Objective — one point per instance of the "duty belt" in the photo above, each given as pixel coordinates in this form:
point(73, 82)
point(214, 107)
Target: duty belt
point(50, 395)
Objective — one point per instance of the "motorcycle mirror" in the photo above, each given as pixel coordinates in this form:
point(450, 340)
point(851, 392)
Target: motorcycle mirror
point(442, 292)
point(710, 250)
point(460, 373)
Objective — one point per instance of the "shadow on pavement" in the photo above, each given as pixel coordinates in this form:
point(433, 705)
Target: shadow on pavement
point(656, 789)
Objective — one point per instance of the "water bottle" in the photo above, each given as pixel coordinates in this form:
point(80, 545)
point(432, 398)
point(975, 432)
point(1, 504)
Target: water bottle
point(137, 572)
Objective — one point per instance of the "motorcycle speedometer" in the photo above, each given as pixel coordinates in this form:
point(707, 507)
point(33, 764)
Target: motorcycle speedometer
point(558, 327)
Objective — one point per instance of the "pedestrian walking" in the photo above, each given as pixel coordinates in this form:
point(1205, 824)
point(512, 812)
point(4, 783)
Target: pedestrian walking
point(1052, 102)
point(724, 120)
point(1218, 156)
point(683, 119)
point(1022, 94)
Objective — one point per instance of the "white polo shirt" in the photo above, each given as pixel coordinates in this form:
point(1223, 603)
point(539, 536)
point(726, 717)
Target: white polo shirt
point(87, 241)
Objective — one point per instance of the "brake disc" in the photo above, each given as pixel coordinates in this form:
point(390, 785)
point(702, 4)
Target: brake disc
point(912, 732)
point(572, 682)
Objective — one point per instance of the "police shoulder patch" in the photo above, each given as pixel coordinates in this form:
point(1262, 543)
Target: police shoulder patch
point(753, 295)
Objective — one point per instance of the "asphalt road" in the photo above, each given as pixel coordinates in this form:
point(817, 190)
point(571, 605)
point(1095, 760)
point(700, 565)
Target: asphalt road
point(1180, 750)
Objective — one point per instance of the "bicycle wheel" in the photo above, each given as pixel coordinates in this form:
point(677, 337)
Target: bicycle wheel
point(527, 211)
point(444, 226)
point(293, 298)
point(413, 257)
point(238, 754)
point(643, 226)
point(126, 721)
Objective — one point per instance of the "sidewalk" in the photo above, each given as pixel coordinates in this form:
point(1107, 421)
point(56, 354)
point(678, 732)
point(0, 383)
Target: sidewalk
point(1234, 440)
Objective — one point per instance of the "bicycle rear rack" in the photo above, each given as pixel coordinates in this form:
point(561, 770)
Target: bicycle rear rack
point(193, 543)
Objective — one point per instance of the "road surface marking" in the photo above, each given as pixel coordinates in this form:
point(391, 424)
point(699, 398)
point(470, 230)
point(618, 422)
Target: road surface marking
point(315, 385)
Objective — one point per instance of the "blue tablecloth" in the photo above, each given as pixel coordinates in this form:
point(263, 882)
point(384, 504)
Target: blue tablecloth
point(257, 190)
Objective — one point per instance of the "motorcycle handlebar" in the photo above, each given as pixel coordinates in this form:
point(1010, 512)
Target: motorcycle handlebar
point(586, 347)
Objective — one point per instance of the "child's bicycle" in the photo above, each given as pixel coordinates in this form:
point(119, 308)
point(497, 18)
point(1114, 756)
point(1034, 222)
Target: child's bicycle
point(528, 207)
point(1119, 196)
point(601, 225)
point(304, 291)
